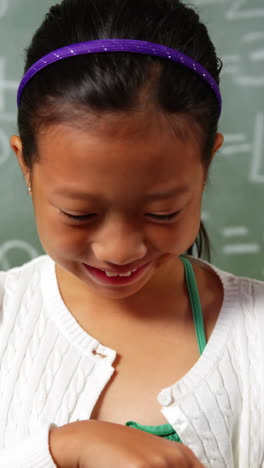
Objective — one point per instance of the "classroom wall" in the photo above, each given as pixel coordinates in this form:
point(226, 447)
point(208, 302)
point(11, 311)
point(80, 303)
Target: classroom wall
point(233, 204)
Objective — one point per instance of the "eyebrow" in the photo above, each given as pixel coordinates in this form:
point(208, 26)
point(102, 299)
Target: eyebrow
point(151, 196)
point(72, 194)
point(168, 193)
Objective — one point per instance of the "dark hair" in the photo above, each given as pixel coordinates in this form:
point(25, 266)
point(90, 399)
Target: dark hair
point(112, 82)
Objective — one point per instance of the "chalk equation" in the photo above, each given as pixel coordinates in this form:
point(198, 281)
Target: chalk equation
point(257, 161)
point(5, 117)
point(3, 8)
point(237, 9)
point(4, 147)
point(238, 143)
point(235, 241)
point(202, 3)
point(245, 9)
point(247, 68)
point(236, 238)
point(5, 85)
point(28, 251)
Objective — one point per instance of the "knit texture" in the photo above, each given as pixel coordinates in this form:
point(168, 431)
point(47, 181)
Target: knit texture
point(53, 372)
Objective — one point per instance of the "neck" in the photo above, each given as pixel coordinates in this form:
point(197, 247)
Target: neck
point(165, 285)
point(160, 307)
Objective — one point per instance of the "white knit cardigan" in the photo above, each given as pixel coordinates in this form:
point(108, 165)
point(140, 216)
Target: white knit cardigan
point(49, 374)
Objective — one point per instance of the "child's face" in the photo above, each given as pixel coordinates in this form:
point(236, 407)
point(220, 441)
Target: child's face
point(119, 175)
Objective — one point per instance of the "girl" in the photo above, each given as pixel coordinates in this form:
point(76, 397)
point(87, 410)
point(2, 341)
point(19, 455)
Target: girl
point(118, 114)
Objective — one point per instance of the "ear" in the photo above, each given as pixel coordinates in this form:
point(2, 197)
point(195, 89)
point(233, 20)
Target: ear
point(17, 147)
point(219, 140)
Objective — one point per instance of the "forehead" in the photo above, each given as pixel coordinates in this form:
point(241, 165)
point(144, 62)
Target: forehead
point(143, 146)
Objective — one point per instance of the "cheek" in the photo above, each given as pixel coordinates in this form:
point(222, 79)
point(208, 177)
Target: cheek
point(177, 237)
point(65, 246)
point(69, 242)
point(57, 237)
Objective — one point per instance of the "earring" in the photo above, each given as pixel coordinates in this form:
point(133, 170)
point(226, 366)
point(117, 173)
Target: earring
point(27, 180)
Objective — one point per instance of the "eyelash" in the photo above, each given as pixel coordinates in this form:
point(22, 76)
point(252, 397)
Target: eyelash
point(166, 217)
point(81, 218)
point(78, 218)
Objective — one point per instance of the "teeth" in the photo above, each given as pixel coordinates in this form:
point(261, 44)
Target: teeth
point(110, 274)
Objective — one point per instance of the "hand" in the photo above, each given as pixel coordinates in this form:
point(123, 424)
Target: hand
point(98, 444)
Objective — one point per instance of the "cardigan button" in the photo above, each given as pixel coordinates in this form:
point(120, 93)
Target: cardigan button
point(165, 397)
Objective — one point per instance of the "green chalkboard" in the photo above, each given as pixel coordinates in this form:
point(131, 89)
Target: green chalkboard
point(233, 202)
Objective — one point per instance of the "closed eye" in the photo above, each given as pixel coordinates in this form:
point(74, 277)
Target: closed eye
point(166, 217)
point(78, 218)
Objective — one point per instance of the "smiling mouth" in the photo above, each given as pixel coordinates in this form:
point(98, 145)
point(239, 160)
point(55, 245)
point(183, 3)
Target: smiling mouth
point(113, 278)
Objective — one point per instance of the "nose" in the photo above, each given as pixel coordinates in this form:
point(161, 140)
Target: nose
point(119, 242)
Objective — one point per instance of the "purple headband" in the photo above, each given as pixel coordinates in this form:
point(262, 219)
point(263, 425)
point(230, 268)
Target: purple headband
point(121, 45)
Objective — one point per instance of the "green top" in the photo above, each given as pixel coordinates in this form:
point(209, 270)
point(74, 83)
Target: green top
point(166, 430)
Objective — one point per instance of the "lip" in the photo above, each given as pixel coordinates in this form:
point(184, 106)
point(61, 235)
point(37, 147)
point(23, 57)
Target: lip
point(99, 276)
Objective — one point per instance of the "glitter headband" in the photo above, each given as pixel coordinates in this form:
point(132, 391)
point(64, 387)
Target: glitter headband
point(121, 45)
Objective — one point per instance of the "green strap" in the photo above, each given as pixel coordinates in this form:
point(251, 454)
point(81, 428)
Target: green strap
point(195, 304)
point(166, 430)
